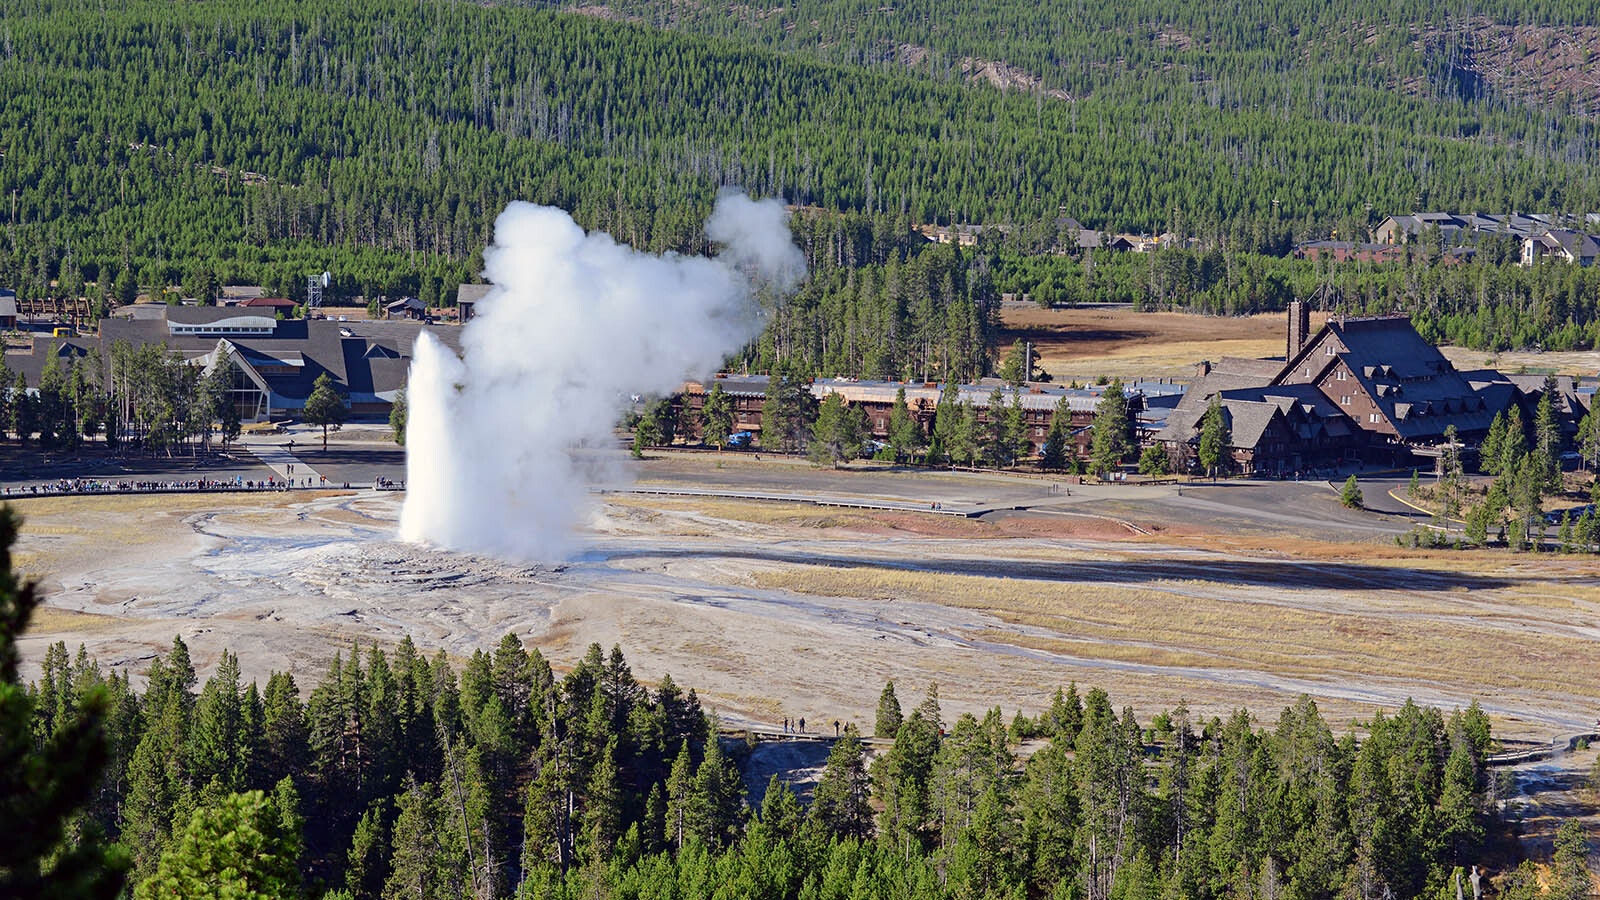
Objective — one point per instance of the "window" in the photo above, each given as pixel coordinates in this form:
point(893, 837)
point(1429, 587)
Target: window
point(1327, 350)
point(1345, 400)
point(1342, 374)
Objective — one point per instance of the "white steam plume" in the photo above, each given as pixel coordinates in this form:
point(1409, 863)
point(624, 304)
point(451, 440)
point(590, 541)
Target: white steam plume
point(575, 324)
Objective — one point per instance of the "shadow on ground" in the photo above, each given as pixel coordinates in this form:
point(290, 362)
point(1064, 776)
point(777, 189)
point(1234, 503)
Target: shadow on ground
point(1265, 573)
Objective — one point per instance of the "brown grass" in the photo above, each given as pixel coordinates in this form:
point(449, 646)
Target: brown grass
point(48, 620)
point(1080, 344)
point(1077, 344)
point(1194, 623)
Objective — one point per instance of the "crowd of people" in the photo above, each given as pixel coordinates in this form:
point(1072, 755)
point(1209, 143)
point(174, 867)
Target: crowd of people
point(98, 486)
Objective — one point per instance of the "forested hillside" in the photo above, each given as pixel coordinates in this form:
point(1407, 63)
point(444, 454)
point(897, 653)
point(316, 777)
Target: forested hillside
point(1345, 60)
point(147, 144)
point(171, 135)
point(400, 776)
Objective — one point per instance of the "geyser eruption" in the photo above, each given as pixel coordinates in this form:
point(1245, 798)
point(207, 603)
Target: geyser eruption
point(575, 325)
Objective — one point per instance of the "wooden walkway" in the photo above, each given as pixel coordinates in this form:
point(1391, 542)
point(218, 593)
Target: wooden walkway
point(1558, 747)
point(964, 511)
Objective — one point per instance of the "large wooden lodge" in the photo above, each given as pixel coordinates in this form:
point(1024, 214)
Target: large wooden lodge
point(1366, 389)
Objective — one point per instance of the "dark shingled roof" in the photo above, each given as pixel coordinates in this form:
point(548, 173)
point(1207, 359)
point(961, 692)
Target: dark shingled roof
point(368, 360)
point(1251, 409)
point(32, 363)
point(472, 293)
point(1414, 386)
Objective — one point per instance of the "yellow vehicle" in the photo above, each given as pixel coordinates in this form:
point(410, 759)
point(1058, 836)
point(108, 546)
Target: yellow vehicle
point(61, 332)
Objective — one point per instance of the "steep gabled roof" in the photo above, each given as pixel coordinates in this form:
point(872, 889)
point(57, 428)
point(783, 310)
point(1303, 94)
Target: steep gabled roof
point(1415, 388)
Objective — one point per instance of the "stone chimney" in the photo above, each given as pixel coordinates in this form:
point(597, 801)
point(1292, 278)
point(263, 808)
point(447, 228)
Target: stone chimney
point(1202, 368)
point(1299, 327)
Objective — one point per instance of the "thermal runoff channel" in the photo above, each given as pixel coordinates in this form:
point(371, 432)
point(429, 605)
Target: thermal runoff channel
point(576, 325)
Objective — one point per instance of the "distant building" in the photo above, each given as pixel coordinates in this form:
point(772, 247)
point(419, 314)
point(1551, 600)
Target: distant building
point(467, 298)
point(1359, 388)
point(8, 308)
point(1572, 247)
point(235, 294)
point(278, 360)
point(876, 398)
point(278, 305)
point(1459, 227)
point(1077, 236)
point(406, 308)
point(67, 352)
point(960, 235)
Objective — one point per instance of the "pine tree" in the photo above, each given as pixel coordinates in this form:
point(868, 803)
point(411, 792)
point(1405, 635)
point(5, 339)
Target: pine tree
point(905, 434)
point(1017, 366)
point(417, 862)
point(1216, 440)
point(1513, 444)
point(218, 746)
point(285, 735)
point(1547, 436)
point(889, 719)
point(5, 400)
point(1588, 438)
point(1054, 455)
point(1153, 461)
point(368, 859)
point(983, 861)
point(546, 816)
point(1111, 430)
point(997, 444)
point(1570, 863)
point(44, 784)
point(1048, 808)
point(719, 417)
point(682, 810)
point(602, 807)
point(324, 408)
point(1493, 443)
point(963, 446)
point(718, 798)
point(788, 414)
point(161, 786)
point(1350, 494)
point(836, 434)
point(22, 409)
point(901, 779)
point(781, 811)
point(398, 414)
point(245, 845)
point(1018, 444)
point(839, 803)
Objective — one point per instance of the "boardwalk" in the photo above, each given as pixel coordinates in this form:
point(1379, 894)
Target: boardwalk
point(964, 510)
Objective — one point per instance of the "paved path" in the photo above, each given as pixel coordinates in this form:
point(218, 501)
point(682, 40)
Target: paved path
point(277, 455)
